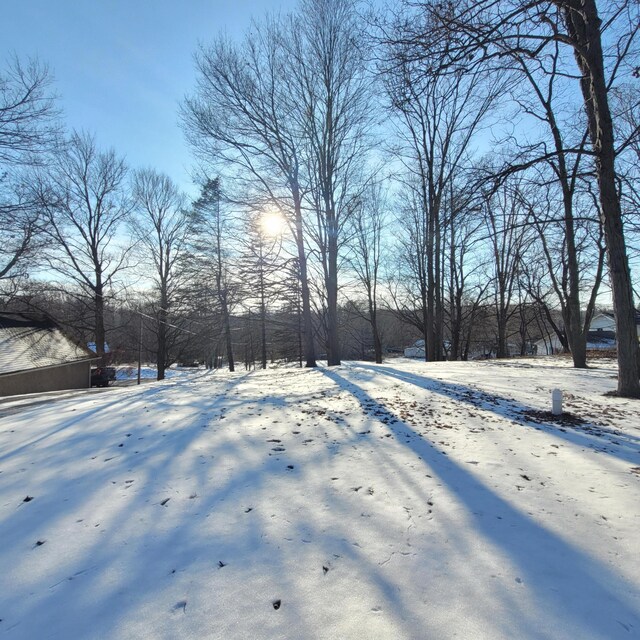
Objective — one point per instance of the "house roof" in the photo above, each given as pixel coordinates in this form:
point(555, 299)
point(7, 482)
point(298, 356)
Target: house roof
point(30, 341)
point(611, 315)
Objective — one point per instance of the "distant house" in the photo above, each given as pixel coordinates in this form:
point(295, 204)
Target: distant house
point(416, 350)
point(603, 328)
point(602, 334)
point(36, 355)
point(603, 322)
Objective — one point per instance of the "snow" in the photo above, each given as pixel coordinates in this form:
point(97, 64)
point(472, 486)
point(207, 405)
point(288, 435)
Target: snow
point(130, 372)
point(403, 500)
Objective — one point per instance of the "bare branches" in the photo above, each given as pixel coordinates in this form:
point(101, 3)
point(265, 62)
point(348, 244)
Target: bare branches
point(84, 201)
point(29, 124)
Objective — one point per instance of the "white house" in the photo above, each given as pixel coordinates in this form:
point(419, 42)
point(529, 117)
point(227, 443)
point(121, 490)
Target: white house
point(416, 350)
point(602, 335)
point(603, 322)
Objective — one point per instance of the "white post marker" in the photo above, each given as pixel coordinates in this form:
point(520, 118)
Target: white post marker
point(556, 402)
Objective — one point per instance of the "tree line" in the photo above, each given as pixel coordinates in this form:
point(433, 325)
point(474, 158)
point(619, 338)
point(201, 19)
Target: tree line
point(461, 172)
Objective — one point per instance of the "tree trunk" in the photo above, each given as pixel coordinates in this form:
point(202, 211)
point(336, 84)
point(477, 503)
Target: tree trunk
point(163, 316)
point(438, 291)
point(430, 333)
point(501, 321)
point(227, 333)
point(99, 322)
point(425, 319)
point(333, 339)
point(583, 25)
point(162, 346)
point(263, 321)
point(373, 319)
point(307, 320)
point(309, 345)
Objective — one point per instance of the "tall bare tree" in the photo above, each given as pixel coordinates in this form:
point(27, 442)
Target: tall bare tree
point(438, 117)
point(161, 228)
point(508, 245)
point(464, 290)
point(260, 263)
point(210, 255)
point(366, 256)
point(84, 199)
point(331, 85)
point(241, 118)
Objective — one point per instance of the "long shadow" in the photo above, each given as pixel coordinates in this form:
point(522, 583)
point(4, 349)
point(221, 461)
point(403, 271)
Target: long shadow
point(618, 444)
point(157, 468)
point(561, 575)
point(192, 545)
point(105, 412)
point(81, 586)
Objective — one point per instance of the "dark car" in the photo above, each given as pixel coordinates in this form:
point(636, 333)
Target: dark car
point(100, 377)
point(111, 372)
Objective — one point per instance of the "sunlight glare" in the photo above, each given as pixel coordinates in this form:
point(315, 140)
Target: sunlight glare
point(273, 224)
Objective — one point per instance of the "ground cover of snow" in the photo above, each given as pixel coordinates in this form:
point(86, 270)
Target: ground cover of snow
point(403, 500)
point(130, 372)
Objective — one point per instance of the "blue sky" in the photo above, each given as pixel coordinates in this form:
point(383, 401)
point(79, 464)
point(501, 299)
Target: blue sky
point(122, 66)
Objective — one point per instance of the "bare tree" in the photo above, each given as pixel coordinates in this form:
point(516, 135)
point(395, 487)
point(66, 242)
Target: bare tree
point(508, 244)
point(161, 227)
point(84, 200)
point(570, 245)
point(464, 291)
point(474, 33)
point(368, 223)
point(29, 129)
point(409, 288)
point(438, 118)
point(331, 85)
point(260, 262)
point(242, 117)
point(29, 121)
point(19, 227)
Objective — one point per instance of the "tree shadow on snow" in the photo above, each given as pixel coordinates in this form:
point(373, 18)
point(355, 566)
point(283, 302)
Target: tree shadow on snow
point(560, 575)
point(619, 444)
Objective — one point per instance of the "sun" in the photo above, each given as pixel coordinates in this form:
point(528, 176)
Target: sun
point(273, 224)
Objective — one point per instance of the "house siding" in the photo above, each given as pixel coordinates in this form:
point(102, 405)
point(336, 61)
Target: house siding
point(76, 375)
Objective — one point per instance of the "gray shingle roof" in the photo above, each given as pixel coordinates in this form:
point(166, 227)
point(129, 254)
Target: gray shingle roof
point(28, 342)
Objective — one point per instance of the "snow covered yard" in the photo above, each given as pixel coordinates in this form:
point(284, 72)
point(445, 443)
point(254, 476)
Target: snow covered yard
point(406, 500)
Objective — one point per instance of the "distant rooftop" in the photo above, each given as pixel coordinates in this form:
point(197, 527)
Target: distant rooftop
point(612, 315)
point(31, 341)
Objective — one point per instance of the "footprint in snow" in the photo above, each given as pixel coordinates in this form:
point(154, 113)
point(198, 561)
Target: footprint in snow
point(182, 604)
